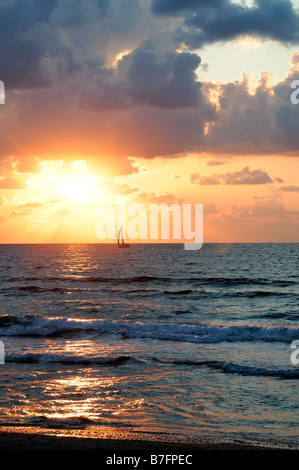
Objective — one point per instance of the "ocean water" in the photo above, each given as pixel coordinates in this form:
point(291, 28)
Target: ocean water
point(182, 345)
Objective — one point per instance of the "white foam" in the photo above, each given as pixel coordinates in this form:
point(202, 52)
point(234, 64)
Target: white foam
point(41, 326)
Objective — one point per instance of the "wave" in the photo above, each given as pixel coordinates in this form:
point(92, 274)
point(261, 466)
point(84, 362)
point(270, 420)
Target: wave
point(179, 292)
point(38, 289)
point(193, 281)
point(37, 325)
point(64, 423)
point(236, 281)
point(46, 358)
point(225, 367)
point(78, 278)
point(59, 290)
point(232, 368)
point(192, 293)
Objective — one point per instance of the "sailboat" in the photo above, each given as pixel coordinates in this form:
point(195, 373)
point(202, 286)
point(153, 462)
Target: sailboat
point(121, 244)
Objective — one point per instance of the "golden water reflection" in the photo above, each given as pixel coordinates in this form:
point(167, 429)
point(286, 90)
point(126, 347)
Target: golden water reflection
point(89, 399)
point(75, 399)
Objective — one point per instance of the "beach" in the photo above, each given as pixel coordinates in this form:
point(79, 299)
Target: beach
point(12, 439)
point(149, 242)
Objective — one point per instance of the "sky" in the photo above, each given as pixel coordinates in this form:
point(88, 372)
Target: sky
point(157, 101)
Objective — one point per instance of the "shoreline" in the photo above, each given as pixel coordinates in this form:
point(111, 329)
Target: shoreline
point(33, 439)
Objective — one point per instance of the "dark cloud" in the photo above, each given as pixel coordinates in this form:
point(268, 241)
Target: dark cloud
point(76, 98)
point(75, 13)
point(169, 83)
point(30, 49)
point(146, 80)
point(166, 7)
point(44, 43)
point(51, 126)
point(207, 21)
point(246, 176)
point(68, 72)
point(263, 121)
point(161, 132)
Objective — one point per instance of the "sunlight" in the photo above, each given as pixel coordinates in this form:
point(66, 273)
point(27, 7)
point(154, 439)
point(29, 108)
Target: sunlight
point(119, 56)
point(78, 188)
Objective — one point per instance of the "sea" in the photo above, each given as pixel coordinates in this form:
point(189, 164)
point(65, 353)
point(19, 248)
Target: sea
point(153, 341)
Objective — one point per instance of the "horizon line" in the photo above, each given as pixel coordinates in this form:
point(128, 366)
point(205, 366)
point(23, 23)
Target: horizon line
point(151, 243)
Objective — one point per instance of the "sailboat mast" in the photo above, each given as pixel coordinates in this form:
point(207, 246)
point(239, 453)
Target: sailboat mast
point(120, 234)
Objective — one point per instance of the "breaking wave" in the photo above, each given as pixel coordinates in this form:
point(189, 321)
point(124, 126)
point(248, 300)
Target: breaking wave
point(37, 325)
point(232, 368)
point(48, 358)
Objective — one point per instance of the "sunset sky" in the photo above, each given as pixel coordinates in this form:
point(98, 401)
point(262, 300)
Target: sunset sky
point(159, 101)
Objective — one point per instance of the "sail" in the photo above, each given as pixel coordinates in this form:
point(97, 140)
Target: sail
point(120, 236)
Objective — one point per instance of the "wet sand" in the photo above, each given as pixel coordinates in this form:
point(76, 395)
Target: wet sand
point(31, 439)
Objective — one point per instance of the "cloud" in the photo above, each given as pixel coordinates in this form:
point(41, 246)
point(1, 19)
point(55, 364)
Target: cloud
point(10, 178)
point(164, 198)
point(175, 177)
point(295, 59)
point(271, 208)
point(208, 21)
point(262, 121)
point(210, 208)
point(142, 78)
point(75, 13)
point(204, 180)
point(3, 201)
point(33, 52)
point(246, 176)
point(243, 177)
point(268, 208)
point(23, 212)
point(169, 83)
point(76, 102)
point(194, 178)
point(45, 43)
point(216, 162)
point(135, 194)
point(13, 181)
point(70, 97)
point(290, 189)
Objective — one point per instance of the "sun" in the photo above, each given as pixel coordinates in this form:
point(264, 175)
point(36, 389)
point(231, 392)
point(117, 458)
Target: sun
point(78, 188)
